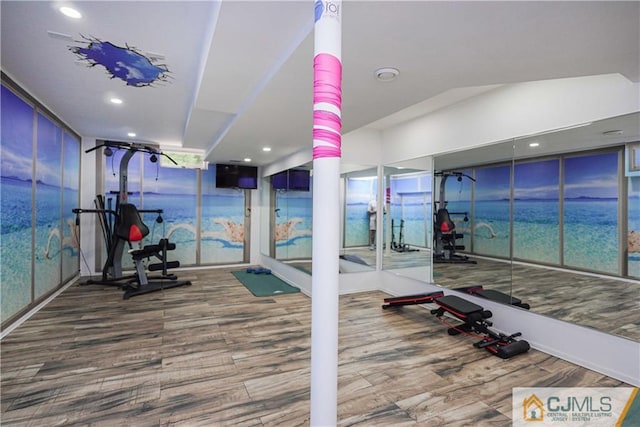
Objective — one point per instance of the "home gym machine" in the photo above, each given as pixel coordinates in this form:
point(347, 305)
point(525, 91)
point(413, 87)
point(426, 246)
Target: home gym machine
point(474, 319)
point(122, 225)
point(444, 229)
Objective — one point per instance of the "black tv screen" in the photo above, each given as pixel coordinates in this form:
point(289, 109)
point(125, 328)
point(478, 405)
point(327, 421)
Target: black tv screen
point(280, 181)
point(299, 179)
point(237, 176)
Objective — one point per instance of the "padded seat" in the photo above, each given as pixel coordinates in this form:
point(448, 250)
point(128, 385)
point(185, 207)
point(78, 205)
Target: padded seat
point(459, 305)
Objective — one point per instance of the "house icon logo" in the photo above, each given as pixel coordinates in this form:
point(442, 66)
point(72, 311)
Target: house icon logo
point(533, 408)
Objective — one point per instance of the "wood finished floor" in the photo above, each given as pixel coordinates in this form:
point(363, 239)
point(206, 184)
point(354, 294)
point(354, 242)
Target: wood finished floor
point(212, 354)
point(607, 304)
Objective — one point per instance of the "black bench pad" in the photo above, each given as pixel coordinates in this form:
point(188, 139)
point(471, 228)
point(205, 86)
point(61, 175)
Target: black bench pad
point(458, 305)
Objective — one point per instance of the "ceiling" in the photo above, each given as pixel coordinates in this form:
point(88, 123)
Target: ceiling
point(237, 75)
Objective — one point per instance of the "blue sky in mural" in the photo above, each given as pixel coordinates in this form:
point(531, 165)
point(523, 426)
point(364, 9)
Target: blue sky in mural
point(49, 152)
point(493, 183)
point(170, 180)
point(361, 190)
point(16, 150)
point(537, 180)
point(124, 63)
point(591, 176)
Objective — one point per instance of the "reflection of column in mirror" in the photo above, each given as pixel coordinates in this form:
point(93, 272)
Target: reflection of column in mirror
point(387, 204)
point(511, 216)
point(272, 223)
point(380, 210)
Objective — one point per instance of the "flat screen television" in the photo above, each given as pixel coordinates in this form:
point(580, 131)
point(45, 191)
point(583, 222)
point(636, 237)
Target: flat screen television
point(280, 181)
point(236, 176)
point(299, 179)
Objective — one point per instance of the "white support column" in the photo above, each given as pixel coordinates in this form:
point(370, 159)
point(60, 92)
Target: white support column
point(327, 124)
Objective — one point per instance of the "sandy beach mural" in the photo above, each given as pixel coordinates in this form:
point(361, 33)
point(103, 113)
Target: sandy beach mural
point(293, 222)
point(536, 211)
point(16, 204)
point(49, 192)
point(591, 212)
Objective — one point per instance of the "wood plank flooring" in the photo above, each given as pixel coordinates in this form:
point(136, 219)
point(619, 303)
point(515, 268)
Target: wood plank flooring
point(212, 354)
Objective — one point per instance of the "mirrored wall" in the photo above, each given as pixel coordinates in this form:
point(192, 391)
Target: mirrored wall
point(288, 217)
point(550, 220)
point(409, 217)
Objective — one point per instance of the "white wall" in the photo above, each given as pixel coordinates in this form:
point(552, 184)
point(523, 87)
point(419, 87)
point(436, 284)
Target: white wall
point(512, 111)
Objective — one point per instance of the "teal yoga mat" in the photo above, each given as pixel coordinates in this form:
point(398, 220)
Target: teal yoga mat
point(264, 285)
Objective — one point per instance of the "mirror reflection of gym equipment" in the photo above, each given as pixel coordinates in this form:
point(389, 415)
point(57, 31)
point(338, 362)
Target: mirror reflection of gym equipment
point(121, 224)
point(445, 234)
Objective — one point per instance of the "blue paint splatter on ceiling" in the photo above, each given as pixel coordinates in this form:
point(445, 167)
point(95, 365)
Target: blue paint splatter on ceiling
point(125, 63)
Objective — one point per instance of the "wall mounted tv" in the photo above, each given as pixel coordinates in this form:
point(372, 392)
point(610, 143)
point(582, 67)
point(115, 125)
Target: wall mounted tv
point(299, 180)
point(280, 181)
point(292, 180)
point(236, 176)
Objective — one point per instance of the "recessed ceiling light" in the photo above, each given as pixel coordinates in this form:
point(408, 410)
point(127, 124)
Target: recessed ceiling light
point(247, 159)
point(131, 134)
point(116, 101)
point(386, 74)
point(70, 12)
point(613, 132)
point(266, 149)
point(534, 144)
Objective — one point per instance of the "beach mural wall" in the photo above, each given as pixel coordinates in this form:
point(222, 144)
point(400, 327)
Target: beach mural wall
point(591, 212)
point(491, 218)
point(358, 193)
point(39, 183)
point(584, 187)
point(206, 223)
point(293, 221)
point(410, 207)
point(536, 211)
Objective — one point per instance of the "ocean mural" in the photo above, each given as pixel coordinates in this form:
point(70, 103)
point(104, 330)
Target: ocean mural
point(536, 210)
point(16, 204)
point(293, 222)
point(217, 232)
point(223, 219)
point(70, 232)
point(36, 201)
point(591, 212)
point(173, 190)
point(48, 207)
point(410, 211)
point(359, 191)
point(491, 207)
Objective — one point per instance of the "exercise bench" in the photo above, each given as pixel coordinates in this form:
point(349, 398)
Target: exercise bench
point(474, 318)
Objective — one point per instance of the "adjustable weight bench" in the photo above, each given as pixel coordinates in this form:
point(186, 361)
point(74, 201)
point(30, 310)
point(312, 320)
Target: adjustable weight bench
point(474, 318)
point(132, 229)
point(493, 295)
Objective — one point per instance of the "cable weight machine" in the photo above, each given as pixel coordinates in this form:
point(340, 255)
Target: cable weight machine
point(121, 225)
